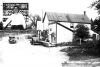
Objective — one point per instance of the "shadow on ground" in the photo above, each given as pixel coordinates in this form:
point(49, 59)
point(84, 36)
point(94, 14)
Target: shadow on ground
point(81, 57)
point(79, 53)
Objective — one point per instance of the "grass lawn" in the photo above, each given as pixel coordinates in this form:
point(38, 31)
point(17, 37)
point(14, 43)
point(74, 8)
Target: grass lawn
point(81, 52)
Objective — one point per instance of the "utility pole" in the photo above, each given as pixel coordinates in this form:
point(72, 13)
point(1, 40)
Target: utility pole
point(42, 19)
point(56, 33)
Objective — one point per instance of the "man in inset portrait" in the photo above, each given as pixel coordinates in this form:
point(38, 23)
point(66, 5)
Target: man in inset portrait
point(16, 20)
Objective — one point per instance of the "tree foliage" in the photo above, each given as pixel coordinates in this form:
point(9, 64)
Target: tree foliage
point(95, 26)
point(1, 26)
point(44, 34)
point(96, 4)
point(82, 31)
point(96, 23)
point(34, 19)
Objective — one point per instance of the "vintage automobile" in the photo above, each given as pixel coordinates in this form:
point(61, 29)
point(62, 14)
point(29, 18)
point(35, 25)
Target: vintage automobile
point(34, 40)
point(12, 39)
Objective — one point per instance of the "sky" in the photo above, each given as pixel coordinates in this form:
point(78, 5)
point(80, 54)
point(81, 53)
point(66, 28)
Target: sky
point(60, 6)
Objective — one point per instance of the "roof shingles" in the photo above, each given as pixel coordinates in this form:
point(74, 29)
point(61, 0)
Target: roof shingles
point(74, 18)
point(79, 18)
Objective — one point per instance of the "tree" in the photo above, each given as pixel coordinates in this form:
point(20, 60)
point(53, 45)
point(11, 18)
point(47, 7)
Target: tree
point(95, 26)
point(1, 25)
point(44, 34)
point(34, 20)
point(81, 31)
point(96, 4)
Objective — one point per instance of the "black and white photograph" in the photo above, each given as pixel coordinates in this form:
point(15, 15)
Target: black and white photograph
point(49, 33)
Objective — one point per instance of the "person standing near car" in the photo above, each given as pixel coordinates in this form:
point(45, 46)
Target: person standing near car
point(16, 20)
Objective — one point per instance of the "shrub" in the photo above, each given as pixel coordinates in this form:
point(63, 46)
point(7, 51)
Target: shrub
point(98, 46)
point(1, 26)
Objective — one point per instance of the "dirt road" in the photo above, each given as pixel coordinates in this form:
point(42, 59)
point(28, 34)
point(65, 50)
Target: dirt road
point(23, 54)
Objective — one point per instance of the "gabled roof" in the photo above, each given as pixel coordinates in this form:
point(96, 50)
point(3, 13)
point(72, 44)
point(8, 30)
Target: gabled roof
point(56, 17)
point(63, 17)
point(78, 18)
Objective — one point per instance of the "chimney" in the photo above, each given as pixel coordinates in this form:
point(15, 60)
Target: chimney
point(91, 20)
point(84, 12)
